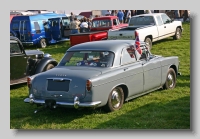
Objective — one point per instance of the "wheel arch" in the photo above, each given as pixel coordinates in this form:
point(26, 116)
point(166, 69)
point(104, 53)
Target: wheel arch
point(150, 37)
point(175, 69)
point(43, 63)
point(125, 90)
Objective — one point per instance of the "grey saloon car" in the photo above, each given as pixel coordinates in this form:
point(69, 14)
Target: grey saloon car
point(102, 74)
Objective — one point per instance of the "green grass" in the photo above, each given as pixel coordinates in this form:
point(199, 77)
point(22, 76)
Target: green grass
point(161, 109)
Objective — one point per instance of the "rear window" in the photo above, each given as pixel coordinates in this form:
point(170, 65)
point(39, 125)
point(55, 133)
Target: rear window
point(101, 23)
point(142, 20)
point(15, 26)
point(88, 58)
point(14, 48)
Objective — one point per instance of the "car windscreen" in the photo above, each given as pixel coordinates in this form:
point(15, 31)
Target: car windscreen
point(88, 58)
point(101, 23)
point(142, 20)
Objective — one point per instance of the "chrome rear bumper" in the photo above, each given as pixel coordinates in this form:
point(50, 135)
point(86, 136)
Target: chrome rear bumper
point(76, 104)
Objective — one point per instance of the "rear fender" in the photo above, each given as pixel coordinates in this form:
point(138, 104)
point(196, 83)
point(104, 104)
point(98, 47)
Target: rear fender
point(43, 63)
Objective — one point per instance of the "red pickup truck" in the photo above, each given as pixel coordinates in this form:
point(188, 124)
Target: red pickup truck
point(98, 31)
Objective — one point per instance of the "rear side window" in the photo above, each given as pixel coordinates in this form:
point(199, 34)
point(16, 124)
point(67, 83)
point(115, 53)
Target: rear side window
point(128, 56)
point(37, 28)
point(159, 20)
point(15, 26)
point(14, 48)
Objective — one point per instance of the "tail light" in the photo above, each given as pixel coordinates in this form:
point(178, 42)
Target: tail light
point(88, 85)
point(29, 82)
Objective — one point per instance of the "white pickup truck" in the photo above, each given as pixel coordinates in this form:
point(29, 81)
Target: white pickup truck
point(150, 28)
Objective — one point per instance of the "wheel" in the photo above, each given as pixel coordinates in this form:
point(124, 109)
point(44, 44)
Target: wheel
point(170, 82)
point(177, 35)
point(48, 67)
point(149, 43)
point(42, 43)
point(115, 100)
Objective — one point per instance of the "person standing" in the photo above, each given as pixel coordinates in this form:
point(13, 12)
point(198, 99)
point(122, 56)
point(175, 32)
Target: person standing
point(72, 17)
point(124, 11)
point(74, 26)
point(84, 26)
point(108, 13)
point(132, 12)
point(128, 16)
point(120, 16)
point(89, 24)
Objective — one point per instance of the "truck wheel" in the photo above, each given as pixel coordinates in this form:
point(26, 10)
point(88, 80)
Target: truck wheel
point(115, 100)
point(48, 67)
point(42, 43)
point(149, 43)
point(170, 82)
point(177, 35)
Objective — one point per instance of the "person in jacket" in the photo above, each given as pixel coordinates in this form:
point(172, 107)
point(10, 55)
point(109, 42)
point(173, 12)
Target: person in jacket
point(84, 26)
point(120, 16)
point(74, 26)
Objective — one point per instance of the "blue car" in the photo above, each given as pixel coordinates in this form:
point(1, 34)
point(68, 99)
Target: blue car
point(39, 29)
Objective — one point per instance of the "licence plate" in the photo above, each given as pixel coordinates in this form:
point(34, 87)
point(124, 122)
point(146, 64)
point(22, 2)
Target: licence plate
point(58, 85)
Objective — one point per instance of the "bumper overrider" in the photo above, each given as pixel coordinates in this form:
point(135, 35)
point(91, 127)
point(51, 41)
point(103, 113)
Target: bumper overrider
point(76, 104)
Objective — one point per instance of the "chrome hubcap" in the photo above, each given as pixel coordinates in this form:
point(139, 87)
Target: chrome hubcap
point(170, 80)
point(178, 34)
point(115, 100)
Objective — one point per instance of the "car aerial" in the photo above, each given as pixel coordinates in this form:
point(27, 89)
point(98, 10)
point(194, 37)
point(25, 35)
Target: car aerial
point(24, 63)
point(102, 74)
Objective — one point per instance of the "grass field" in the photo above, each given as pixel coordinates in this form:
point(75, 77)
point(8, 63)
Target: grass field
point(161, 109)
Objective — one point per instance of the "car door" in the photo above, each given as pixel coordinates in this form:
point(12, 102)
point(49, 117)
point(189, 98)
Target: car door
point(132, 71)
point(152, 72)
point(23, 33)
point(161, 28)
point(168, 25)
point(55, 25)
point(18, 61)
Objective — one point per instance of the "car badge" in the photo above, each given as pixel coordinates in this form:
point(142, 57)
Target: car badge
point(61, 75)
point(75, 86)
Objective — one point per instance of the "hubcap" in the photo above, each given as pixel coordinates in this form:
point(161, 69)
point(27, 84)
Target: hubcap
point(178, 34)
point(170, 80)
point(115, 100)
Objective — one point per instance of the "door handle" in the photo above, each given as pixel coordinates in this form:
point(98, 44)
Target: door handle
point(164, 26)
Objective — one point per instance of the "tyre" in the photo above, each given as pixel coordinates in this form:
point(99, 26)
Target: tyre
point(42, 43)
point(48, 67)
point(178, 34)
point(115, 100)
point(149, 43)
point(170, 82)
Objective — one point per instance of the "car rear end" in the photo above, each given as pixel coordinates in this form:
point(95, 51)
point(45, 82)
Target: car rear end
point(67, 88)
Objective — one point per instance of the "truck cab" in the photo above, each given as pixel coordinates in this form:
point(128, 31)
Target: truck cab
point(98, 31)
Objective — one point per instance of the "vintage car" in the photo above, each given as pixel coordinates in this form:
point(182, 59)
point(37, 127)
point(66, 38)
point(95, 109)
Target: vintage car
point(24, 63)
point(102, 74)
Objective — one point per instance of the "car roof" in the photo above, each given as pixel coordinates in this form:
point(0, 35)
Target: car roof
point(103, 45)
point(150, 14)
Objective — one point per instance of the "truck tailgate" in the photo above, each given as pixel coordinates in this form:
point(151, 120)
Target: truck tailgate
point(121, 35)
point(77, 39)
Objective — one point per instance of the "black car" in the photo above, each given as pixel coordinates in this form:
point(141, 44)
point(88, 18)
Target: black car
point(25, 63)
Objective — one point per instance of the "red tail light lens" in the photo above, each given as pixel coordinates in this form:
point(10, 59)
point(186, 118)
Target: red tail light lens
point(88, 85)
point(29, 82)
